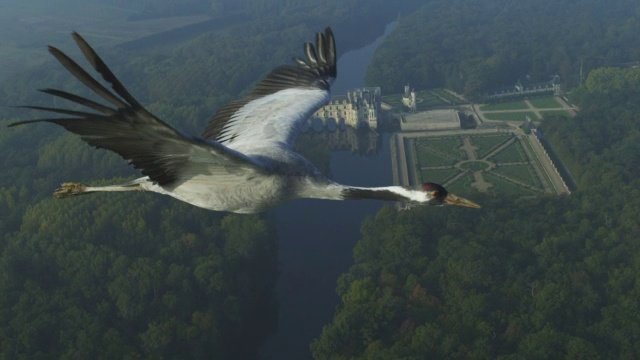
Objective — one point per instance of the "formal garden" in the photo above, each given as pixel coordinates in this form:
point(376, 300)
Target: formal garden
point(500, 162)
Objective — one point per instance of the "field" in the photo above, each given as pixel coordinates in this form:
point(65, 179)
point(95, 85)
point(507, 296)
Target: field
point(545, 103)
point(520, 173)
point(516, 154)
point(463, 185)
point(394, 100)
point(451, 99)
point(485, 143)
point(439, 176)
point(513, 105)
point(534, 109)
point(464, 164)
point(560, 113)
point(509, 187)
point(511, 115)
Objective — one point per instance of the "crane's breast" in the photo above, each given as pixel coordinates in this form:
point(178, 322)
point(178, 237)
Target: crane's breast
point(253, 194)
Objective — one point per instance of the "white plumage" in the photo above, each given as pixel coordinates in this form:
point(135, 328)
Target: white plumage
point(243, 162)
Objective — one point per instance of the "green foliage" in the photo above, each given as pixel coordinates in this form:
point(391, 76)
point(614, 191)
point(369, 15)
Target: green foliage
point(543, 277)
point(513, 105)
point(605, 132)
point(134, 275)
point(119, 277)
point(511, 116)
point(512, 153)
point(485, 144)
point(476, 46)
point(545, 103)
point(556, 114)
point(521, 173)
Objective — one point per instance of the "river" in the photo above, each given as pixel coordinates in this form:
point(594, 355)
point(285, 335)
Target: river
point(317, 236)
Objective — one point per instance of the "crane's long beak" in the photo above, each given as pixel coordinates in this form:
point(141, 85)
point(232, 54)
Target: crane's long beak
point(459, 201)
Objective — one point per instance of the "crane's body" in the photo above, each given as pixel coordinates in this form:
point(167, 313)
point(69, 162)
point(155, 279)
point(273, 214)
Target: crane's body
point(243, 162)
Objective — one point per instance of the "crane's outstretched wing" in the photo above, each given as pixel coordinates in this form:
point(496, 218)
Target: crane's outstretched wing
point(270, 114)
point(127, 128)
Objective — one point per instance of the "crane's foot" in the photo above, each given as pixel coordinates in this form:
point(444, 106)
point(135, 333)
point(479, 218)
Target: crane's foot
point(70, 189)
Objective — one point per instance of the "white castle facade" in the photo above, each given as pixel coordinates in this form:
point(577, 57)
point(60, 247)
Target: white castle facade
point(358, 107)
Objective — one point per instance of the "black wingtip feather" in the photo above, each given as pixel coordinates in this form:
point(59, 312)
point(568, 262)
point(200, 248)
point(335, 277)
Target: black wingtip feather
point(79, 100)
point(320, 43)
point(311, 54)
point(101, 67)
point(125, 128)
point(85, 78)
point(57, 110)
point(316, 71)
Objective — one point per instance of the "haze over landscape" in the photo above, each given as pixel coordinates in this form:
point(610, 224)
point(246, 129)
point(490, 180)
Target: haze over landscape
point(534, 273)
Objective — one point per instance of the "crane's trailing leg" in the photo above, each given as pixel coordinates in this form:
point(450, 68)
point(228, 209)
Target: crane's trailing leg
point(72, 189)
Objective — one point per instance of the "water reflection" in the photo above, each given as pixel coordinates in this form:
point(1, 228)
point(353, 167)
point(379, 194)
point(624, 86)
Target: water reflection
point(362, 141)
point(317, 236)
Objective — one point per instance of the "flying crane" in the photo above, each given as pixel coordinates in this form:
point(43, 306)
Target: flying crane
point(243, 162)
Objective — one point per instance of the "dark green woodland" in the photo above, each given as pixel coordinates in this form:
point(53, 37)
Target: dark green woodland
point(144, 276)
point(535, 278)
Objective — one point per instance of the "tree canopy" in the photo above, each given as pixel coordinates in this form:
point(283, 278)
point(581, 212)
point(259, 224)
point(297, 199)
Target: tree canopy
point(547, 277)
point(477, 46)
point(141, 275)
point(116, 277)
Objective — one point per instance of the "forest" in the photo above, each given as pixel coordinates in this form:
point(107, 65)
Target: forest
point(474, 47)
point(541, 278)
point(141, 276)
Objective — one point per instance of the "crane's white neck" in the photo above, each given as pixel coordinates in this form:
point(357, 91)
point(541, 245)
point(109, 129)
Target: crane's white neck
point(334, 191)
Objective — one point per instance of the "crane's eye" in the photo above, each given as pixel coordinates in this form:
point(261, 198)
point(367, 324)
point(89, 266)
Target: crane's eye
point(435, 194)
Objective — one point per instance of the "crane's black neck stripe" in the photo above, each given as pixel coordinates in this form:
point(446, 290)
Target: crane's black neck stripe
point(357, 194)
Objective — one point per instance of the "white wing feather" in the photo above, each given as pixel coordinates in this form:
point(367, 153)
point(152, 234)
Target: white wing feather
point(273, 120)
point(269, 117)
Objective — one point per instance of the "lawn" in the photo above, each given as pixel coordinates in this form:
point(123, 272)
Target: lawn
point(513, 116)
point(453, 100)
point(512, 153)
point(507, 187)
point(512, 105)
point(439, 176)
point(428, 157)
point(448, 145)
point(545, 103)
point(522, 173)
point(560, 113)
point(393, 100)
point(426, 101)
point(486, 143)
point(474, 165)
point(462, 186)
point(444, 152)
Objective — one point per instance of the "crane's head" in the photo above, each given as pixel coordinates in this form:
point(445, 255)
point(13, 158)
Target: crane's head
point(438, 195)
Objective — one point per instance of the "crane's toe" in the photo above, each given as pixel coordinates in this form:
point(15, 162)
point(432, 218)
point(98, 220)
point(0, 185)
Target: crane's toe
point(70, 189)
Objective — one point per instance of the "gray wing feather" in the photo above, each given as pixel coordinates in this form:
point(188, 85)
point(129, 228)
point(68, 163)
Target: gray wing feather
point(160, 152)
point(289, 94)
